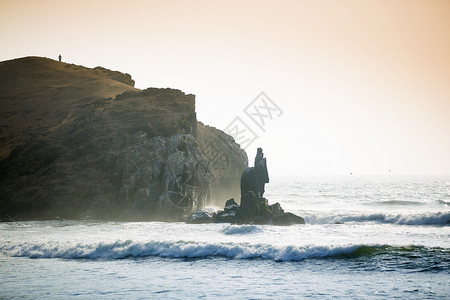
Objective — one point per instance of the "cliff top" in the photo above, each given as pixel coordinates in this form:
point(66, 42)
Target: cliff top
point(40, 95)
point(27, 72)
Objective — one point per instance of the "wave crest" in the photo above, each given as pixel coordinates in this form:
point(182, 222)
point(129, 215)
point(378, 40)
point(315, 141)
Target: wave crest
point(188, 249)
point(435, 218)
point(243, 229)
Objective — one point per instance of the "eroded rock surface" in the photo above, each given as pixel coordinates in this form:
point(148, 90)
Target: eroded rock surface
point(227, 162)
point(84, 143)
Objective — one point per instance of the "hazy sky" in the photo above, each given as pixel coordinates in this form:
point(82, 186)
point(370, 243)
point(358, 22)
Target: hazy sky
point(363, 86)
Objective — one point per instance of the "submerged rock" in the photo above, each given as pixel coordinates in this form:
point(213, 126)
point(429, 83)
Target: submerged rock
point(200, 217)
point(231, 205)
point(228, 214)
point(287, 219)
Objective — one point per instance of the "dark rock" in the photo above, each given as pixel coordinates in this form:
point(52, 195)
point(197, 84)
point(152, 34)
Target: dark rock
point(254, 208)
point(259, 156)
point(231, 205)
point(224, 217)
point(276, 209)
point(200, 217)
point(230, 202)
point(253, 179)
point(263, 207)
point(248, 209)
point(287, 219)
point(227, 215)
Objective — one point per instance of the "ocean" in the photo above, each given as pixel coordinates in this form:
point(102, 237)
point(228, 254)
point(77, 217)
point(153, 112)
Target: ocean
point(365, 238)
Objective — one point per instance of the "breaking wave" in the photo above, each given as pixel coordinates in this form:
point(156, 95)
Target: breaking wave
point(187, 249)
point(243, 229)
point(429, 218)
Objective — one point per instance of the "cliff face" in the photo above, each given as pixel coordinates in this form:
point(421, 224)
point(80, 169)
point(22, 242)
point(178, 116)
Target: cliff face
point(79, 142)
point(227, 162)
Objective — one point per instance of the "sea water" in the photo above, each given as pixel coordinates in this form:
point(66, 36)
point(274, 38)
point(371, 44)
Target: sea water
point(364, 238)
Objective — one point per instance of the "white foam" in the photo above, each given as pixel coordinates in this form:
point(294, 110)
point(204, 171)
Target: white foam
point(242, 229)
point(174, 249)
point(427, 218)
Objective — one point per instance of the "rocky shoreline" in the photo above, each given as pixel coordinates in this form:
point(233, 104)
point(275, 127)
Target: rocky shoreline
point(265, 215)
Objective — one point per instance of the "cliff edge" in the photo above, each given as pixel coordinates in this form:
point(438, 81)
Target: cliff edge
point(77, 142)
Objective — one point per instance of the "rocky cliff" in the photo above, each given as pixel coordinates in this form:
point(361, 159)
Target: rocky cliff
point(227, 161)
point(78, 142)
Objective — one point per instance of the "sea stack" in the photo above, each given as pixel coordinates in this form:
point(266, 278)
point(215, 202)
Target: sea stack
point(254, 208)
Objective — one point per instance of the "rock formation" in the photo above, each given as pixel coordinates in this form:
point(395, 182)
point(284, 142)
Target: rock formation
point(84, 143)
point(254, 208)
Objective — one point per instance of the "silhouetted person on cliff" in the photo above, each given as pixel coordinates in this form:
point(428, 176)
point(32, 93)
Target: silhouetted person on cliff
point(59, 57)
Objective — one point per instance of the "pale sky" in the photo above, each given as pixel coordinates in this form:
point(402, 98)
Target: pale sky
point(364, 86)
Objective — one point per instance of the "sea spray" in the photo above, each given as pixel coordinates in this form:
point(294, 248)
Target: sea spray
point(190, 249)
point(421, 218)
point(240, 229)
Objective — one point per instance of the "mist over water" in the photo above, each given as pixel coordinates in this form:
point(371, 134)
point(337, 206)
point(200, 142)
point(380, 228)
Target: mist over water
point(392, 232)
